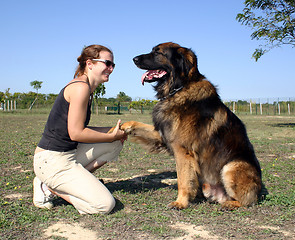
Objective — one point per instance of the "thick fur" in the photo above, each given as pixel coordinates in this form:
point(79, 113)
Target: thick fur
point(209, 143)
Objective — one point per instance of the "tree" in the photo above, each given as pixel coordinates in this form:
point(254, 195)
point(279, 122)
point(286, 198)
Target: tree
point(36, 85)
point(122, 97)
point(273, 21)
point(7, 94)
point(2, 97)
point(98, 93)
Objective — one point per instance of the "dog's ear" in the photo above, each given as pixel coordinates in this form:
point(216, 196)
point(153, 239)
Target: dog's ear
point(183, 62)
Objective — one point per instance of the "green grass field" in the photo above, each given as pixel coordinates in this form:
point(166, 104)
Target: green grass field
point(143, 184)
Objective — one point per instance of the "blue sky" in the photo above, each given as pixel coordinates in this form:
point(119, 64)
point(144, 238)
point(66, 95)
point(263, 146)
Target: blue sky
point(41, 40)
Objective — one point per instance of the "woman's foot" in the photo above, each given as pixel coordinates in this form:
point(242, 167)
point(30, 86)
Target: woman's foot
point(42, 197)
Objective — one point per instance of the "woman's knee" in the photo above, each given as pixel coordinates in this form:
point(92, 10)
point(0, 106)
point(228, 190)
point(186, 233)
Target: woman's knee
point(103, 207)
point(109, 206)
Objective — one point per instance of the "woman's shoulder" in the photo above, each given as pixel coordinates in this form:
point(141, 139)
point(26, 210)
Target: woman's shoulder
point(77, 88)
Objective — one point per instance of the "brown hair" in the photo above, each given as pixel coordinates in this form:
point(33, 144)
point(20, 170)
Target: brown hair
point(90, 52)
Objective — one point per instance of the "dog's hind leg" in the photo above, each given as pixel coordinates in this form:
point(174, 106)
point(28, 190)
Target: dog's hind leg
point(187, 176)
point(241, 182)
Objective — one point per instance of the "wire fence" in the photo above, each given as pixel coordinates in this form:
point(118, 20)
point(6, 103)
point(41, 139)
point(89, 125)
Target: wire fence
point(263, 106)
point(258, 106)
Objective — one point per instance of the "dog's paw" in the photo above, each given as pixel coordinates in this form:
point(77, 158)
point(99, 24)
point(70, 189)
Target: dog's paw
point(177, 205)
point(128, 127)
point(231, 205)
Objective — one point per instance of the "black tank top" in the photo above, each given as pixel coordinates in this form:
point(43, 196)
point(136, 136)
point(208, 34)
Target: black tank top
point(56, 136)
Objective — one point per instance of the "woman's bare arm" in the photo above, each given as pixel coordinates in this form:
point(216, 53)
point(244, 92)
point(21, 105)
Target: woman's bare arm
point(78, 96)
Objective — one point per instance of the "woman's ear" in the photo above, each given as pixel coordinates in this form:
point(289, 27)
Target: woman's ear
point(89, 64)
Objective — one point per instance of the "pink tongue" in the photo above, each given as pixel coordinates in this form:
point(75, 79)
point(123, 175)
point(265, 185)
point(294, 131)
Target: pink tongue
point(152, 74)
point(143, 77)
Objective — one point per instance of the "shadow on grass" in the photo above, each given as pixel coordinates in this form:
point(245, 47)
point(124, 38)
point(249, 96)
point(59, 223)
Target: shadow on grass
point(134, 185)
point(146, 183)
point(143, 183)
point(151, 182)
point(290, 125)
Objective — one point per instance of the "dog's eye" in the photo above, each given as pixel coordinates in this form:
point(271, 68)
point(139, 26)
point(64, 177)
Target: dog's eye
point(159, 53)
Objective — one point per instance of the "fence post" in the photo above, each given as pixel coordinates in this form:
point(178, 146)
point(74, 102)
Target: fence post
point(250, 107)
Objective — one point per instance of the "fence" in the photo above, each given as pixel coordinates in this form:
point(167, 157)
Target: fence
point(8, 105)
point(121, 107)
point(263, 106)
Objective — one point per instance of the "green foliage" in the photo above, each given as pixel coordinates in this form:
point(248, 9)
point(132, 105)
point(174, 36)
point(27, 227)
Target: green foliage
point(122, 97)
point(7, 94)
point(272, 21)
point(143, 103)
point(97, 95)
point(24, 100)
point(99, 91)
point(36, 84)
point(2, 97)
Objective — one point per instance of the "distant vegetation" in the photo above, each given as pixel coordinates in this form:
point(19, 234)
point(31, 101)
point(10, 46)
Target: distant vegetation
point(123, 103)
point(100, 104)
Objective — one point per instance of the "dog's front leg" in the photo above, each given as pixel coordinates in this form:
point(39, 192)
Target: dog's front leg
point(187, 176)
point(145, 135)
point(137, 129)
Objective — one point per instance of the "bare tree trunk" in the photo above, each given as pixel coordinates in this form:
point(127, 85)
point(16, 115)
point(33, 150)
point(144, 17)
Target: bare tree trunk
point(33, 103)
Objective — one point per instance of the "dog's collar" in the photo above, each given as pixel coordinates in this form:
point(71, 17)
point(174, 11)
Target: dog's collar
point(171, 93)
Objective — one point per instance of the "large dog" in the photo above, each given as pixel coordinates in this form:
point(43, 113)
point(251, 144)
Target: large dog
point(209, 143)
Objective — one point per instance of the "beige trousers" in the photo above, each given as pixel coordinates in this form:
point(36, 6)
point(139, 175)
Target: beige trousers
point(64, 172)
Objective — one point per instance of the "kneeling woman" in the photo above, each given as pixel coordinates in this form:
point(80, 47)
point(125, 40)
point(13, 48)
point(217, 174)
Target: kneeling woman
point(70, 150)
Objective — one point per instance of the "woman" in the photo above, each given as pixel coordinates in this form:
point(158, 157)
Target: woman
point(69, 149)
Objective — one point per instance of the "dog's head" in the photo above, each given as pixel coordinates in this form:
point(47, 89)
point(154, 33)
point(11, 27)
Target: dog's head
point(170, 65)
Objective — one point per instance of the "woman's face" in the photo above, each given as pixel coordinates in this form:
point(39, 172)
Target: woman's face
point(100, 70)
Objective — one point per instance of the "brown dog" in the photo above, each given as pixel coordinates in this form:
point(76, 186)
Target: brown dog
point(208, 141)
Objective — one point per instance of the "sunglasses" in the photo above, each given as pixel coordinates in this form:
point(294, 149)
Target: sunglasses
point(108, 63)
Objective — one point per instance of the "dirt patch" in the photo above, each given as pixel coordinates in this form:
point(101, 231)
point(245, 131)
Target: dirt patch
point(286, 233)
point(278, 229)
point(193, 232)
point(19, 168)
point(16, 196)
point(70, 231)
point(74, 231)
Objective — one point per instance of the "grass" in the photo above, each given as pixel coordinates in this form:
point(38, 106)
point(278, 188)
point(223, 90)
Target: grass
point(138, 182)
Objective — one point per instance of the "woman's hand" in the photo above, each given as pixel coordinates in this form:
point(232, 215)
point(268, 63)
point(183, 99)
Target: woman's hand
point(118, 133)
